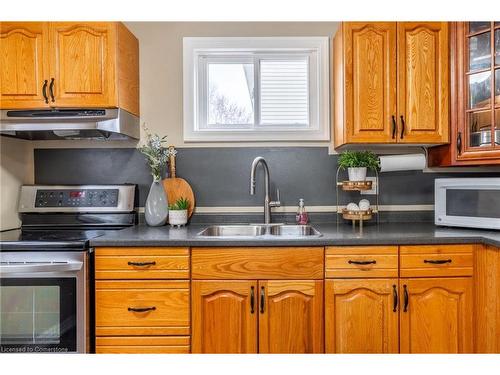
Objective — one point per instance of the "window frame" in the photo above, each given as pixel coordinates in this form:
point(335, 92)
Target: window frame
point(198, 52)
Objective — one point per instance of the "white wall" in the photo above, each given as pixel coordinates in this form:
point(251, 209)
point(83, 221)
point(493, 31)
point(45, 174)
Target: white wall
point(160, 45)
point(16, 168)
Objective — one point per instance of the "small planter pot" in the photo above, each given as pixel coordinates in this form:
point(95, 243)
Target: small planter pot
point(357, 174)
point(177, 217)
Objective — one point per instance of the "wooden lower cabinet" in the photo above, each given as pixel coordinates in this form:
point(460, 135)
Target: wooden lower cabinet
point(143, 345)
point(234, 316)
point(487, 299)
point(436, 315)
point(224, 316)
point(291, 316)
point(361, 316)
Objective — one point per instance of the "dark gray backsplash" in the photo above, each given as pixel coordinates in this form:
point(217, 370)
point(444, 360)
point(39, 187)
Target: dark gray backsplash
point(220, 176)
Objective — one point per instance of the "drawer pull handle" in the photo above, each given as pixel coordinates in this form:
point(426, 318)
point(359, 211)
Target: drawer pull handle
point(362, 262)
point(141, 264)
point(395, 298)
point(438, 261)
point(141, 309)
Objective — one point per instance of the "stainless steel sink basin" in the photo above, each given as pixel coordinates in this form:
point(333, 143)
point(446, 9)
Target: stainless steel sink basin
point(258, 230)
point(233, 231)
point(295, 231)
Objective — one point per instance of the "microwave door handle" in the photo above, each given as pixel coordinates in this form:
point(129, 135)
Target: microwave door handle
point(9, 269)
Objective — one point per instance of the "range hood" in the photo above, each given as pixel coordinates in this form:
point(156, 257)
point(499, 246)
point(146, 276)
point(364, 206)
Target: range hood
point(78, 123)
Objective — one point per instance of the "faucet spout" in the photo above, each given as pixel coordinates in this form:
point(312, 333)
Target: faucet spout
point(267, 201)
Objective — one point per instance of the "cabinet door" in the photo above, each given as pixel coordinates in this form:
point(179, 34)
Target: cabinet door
point(24, 64)
point(291, 316)
point(224, 316)
point(438, 315)
point(370, 81)
point(361, 316)
point(423, 82)
point(83, 64)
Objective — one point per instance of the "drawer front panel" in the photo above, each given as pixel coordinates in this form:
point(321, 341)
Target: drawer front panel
point(361, 261)
point(257, 263)
point(136, 307)
point(435, 260)
point(143, 345)
point(142, 263)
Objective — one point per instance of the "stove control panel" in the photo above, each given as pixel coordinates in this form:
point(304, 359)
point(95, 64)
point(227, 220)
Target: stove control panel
point(76, 198)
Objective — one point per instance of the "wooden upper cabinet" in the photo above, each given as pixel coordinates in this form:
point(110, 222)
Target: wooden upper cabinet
point(85, 64)
point(365, 82)
point(23, 64)
point(291, 316)
point(423, 82)
point(361, 316)
point(438, 316)
point(475, 96)
point(391, 83)
point(224, 316)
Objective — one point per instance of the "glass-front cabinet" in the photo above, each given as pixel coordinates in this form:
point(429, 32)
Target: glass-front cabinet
point(477, 92)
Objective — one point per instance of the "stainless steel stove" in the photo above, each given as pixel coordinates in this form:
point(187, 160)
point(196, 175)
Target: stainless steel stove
point(44, 264)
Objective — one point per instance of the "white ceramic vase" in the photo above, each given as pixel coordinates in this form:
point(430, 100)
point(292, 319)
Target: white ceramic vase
point(177, 217)
point(156, 207)
point(357, 174)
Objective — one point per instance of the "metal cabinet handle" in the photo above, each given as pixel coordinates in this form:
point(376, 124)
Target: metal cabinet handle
point(142, 264)
point(51, 89)
point(459, 143)
point(395, 298)
point(393, 127)
point(142, 309)
point(362, 262)
point(402, 126)
point(437, 261)
point(262, 299)
point(252, 300)
point(405, 306)
point(44, 91)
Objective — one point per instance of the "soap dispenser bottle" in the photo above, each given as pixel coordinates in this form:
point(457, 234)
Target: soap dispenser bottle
point(301, 218)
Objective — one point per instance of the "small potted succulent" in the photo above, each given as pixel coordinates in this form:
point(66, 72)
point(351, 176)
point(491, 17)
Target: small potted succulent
point(178, 212)
point(357, 163)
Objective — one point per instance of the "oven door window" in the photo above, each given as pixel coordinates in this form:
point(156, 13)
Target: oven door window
point(37, 315)
point(480, 203)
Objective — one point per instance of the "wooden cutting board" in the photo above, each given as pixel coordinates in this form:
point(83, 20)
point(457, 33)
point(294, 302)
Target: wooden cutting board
point(177, 187)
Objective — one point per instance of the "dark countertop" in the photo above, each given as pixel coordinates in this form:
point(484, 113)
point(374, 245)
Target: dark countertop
point(333, 234)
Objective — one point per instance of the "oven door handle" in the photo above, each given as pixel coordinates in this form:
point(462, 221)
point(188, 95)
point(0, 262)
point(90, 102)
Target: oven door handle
point(49, 267)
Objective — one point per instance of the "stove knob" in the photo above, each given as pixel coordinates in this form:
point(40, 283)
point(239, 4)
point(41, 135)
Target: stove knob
point(59, 203)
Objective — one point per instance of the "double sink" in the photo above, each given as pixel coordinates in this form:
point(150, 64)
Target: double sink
point(259, 230)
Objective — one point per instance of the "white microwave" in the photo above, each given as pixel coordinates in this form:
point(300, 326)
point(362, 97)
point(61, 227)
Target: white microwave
point(467, 202)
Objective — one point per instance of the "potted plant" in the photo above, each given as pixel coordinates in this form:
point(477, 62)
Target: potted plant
point(156, 207)
point(357, 163)
point(178, 212)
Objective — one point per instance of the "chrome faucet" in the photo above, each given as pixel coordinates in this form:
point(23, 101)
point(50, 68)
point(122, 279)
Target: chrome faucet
point(267, 200)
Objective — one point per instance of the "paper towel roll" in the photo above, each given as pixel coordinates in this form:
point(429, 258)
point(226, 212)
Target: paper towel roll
point(409, 162)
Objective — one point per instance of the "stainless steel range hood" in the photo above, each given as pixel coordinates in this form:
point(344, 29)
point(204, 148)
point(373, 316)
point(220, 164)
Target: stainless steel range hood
point(77, 123)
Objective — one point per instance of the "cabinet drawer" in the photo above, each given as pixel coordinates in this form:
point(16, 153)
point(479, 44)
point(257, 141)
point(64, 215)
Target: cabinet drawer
point(361, 261)
point(142, 263)
point(142, 345)
point(436, 260)
point(142, 307)
point(257, 263)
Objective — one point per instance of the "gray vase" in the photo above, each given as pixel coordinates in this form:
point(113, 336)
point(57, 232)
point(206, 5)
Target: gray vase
point(156, 209)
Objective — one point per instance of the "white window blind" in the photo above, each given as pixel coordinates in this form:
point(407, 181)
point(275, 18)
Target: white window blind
point(284, 92)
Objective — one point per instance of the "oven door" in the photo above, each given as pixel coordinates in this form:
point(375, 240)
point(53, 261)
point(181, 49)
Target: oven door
point(468, 202)
point(42, 304)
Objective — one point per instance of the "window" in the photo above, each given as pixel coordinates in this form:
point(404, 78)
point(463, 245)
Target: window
point(256, 89)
